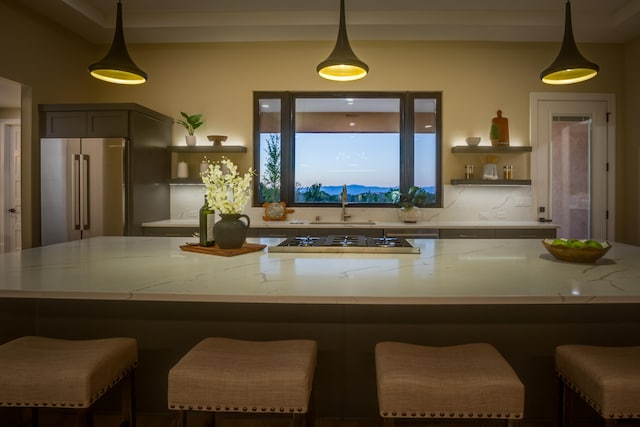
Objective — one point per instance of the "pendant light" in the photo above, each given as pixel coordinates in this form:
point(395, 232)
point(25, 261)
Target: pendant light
point(570, 66)
point(342, 65)
point(117, 66)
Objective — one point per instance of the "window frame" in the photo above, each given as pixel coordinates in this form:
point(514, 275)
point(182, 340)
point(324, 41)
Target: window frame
point(287, 141)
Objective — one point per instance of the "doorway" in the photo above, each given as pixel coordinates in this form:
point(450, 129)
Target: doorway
point(10, 164)
point(573, 137)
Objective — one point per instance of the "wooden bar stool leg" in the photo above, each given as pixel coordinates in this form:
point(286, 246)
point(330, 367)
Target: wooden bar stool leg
point(84, 417)
point(388, 422)
point(179, 419)
point(211, 419)
point(566, 405)
point(128, 401)
point(34, 417)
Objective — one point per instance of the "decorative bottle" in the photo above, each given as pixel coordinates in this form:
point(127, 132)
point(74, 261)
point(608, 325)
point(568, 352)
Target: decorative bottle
point(207, 221)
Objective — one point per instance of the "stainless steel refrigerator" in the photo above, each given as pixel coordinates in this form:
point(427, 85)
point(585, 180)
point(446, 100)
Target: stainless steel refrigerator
point(83, 188)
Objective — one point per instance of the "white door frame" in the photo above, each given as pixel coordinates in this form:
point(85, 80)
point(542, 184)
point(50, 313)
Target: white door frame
point(10, 227)
point(537, 168)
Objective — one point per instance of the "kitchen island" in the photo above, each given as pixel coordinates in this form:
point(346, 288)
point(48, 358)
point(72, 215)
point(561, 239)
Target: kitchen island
point(509, 292)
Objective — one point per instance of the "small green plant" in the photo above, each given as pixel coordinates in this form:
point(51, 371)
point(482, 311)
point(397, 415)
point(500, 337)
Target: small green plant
point(415, 196)
point(494, 133)
point(190, 122)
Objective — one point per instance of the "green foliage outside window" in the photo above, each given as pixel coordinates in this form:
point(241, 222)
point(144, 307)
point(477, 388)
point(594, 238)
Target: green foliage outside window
point(270, 182)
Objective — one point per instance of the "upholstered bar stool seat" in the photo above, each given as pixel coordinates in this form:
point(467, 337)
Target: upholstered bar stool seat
point(471, 381)
point(607, 378)
point(38, 372)
point(228, 375)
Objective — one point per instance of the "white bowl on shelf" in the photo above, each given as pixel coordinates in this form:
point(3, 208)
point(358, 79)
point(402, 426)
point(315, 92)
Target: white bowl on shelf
point(472, 141)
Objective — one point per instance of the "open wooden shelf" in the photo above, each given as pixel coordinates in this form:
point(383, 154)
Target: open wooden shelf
point(502, 182)
point(485, 149)
point(207, 149)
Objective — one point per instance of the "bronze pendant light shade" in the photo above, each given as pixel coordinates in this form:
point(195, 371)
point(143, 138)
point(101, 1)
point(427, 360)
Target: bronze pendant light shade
point(570, 66)
point(342, 65)
point(117, 66)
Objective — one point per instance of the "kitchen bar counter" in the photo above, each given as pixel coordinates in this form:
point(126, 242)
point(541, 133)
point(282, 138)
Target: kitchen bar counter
point(509, 293)
point(510, 271)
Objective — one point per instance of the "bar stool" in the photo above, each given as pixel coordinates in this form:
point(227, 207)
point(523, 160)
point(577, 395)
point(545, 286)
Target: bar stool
point(469, 381)
point(607, 378)
point(228, 375)
point(39, 372)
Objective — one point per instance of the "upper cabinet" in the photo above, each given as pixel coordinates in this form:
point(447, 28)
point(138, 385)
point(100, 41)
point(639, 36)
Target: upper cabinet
point(95, 120)
point(489, 150)
point(85, 124)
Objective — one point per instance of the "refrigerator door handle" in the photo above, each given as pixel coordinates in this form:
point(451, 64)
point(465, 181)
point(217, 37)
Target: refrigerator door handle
point(75, 190)
point(85, 192)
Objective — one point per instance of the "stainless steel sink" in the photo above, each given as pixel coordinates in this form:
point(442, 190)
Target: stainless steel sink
point(343, 222)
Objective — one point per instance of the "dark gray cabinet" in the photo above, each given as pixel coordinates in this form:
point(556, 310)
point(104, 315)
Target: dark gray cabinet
point(85, 124)
point(285, 232)
point(412, 233)
point(497, 233)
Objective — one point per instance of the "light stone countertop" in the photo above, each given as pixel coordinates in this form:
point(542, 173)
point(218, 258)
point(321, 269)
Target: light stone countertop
point(357, 224)
point(514, 271)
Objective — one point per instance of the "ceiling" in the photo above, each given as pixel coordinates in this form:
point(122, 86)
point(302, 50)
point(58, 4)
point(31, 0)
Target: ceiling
point(194, 21)
point(191, 21)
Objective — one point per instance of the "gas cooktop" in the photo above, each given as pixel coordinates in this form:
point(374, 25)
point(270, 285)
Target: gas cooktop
point(345, 243)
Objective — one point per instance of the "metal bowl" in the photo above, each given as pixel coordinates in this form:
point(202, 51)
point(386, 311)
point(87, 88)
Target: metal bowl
point(580, 255)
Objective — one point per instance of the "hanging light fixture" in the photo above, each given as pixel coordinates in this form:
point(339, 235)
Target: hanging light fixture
point(342, 65)
point(570, 66)
point(117, 66)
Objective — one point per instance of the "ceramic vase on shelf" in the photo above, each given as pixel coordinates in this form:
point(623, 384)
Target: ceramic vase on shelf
point(190, 140)
point(231, 231)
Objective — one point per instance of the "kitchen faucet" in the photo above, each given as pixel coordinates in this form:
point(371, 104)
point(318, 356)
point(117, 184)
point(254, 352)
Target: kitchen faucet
point(345, 216)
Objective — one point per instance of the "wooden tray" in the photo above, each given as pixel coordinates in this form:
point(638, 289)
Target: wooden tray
point(215, 250)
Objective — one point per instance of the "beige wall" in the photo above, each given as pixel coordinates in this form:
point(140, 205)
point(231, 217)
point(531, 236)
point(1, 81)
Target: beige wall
point(218, 80)
point(628, 202)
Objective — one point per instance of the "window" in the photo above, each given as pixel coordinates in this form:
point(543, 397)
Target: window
point(309, 145)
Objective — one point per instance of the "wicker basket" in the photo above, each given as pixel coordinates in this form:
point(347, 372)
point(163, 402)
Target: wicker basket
point(581, 255)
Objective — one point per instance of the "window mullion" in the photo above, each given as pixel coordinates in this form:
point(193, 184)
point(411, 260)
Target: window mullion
point(288, 125)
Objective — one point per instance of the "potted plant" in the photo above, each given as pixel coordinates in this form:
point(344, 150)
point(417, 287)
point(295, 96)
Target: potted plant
point(227, 192)
point(410, 203)
point(190, 123)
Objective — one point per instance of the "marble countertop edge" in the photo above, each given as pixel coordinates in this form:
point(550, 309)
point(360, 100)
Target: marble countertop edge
point(318, 300)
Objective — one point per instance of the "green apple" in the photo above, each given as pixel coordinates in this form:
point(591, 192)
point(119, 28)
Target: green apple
point(559, 242)
point(575, 243)
point(593, 244)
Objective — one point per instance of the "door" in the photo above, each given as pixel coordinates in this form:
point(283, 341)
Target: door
point(573, 138)
point(10, 183)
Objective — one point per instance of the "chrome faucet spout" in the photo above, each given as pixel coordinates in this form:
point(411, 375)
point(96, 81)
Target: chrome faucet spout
point(344, 216)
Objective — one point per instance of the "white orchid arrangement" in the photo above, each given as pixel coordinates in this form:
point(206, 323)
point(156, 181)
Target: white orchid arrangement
point(227, 191)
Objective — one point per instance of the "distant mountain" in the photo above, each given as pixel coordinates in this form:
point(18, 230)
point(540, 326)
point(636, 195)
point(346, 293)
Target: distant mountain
point(352, 189)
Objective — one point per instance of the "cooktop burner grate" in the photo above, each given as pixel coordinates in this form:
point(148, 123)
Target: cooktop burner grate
point(345, 243)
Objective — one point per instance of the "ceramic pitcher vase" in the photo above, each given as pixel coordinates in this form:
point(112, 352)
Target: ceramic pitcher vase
point(230, 232)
